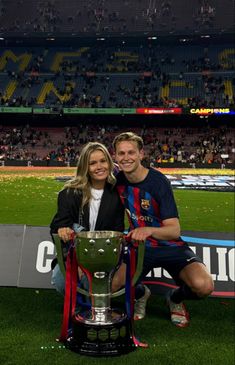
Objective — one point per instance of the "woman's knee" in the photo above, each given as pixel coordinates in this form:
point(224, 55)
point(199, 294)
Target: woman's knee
point(58, 280)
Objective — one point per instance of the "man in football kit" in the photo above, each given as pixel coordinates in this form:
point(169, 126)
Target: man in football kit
point(153, 218)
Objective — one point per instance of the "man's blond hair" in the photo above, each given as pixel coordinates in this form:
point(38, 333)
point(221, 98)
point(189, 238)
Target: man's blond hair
point(130, 137)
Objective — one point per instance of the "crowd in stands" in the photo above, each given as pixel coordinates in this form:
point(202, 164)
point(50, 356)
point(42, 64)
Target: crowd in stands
point(112, 16)
point(123, 77)
point(163, 145)
point(205, 14)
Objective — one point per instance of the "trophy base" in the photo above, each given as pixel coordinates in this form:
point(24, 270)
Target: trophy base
point(101, 340)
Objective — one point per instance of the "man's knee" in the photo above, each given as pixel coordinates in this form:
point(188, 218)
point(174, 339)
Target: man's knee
point(116, 284)
point(198, 279)
point(202, 286)
point(119, 278)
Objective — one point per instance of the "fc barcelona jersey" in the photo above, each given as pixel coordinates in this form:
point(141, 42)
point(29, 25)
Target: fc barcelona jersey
point(148, 203)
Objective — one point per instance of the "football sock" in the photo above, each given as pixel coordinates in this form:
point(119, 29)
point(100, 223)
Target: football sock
point(139, 291)
point(182, 293)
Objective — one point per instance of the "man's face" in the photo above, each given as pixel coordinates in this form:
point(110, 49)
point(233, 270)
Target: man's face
point(128, 156)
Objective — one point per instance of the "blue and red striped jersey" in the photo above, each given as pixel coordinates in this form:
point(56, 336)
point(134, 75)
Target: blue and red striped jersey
point(148, 203)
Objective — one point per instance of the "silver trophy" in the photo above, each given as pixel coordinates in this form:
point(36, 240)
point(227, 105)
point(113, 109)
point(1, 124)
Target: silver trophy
point(99, 253)
point(101, 330)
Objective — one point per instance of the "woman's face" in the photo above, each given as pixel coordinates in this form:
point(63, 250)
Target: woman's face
point(98, 169)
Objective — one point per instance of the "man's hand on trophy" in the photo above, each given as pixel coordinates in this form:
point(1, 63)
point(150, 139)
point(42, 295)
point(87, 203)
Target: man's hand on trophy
point(65, 233)
point(140, 234)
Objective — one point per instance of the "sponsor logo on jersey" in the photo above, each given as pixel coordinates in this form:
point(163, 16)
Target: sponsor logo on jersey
point(137, 218)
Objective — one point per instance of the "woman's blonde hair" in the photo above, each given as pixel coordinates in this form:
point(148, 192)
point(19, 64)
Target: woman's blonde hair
point(82, 179)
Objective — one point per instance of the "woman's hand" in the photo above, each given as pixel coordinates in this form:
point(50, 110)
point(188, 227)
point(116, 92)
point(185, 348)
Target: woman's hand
point(65, 233)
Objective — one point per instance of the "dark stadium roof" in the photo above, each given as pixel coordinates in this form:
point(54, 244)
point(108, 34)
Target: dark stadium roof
point(73, 21)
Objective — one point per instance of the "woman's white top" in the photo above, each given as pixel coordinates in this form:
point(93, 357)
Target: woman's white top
point(96, 195)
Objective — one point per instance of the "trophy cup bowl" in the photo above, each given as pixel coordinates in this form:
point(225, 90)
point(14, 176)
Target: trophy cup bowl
point(100, 331)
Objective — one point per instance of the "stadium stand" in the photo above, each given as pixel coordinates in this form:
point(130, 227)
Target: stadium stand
point(163, 145)
point(121, 77)
point(100, 74)
point(116, 54)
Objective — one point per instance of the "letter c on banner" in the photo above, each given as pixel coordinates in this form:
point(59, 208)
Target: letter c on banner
point(43, 265)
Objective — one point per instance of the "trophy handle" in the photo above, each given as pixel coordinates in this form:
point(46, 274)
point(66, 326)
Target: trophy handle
point(60, 257)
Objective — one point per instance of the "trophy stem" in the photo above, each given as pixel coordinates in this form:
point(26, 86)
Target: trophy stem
point(100, 297)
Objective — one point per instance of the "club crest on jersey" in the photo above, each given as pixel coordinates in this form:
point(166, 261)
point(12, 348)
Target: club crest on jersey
point(145, 204)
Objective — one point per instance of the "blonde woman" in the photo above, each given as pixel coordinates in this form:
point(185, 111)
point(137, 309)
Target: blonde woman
point(89, 202)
